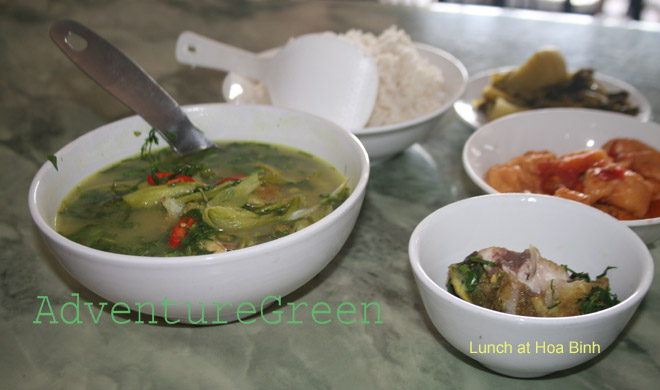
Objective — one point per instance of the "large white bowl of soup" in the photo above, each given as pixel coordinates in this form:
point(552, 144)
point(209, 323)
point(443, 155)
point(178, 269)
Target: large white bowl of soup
point(607, 160)
point(509, 329)
point(228, 275)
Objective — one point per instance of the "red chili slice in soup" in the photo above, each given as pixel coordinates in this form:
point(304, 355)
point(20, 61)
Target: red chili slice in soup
point(180, 230)
point(226, 179)
point(181, 179)
point(159, 176)
point(162, 175)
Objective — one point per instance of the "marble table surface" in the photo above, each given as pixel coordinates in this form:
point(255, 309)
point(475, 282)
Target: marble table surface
point(45, 102)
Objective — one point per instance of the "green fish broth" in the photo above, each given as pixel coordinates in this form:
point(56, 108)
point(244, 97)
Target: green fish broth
point(163, 204)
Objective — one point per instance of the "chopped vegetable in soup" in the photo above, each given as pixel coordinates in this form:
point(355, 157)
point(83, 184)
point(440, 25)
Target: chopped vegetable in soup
point(525, 283)
point(163, 204)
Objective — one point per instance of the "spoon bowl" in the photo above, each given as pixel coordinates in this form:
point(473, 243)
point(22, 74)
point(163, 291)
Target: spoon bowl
point(316, 73)
point(128, 82)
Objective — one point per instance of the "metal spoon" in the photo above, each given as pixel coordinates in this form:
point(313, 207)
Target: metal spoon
point(129, 83)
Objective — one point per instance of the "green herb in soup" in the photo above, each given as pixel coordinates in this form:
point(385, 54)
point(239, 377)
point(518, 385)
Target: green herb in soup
point(163, 204)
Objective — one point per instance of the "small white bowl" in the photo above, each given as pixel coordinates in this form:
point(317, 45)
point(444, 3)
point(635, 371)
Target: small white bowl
point(559, 130)
point(381, 142)
point(245, 276)
point(565, 232)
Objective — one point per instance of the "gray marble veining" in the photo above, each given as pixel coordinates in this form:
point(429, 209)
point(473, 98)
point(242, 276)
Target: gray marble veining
point(45, 102)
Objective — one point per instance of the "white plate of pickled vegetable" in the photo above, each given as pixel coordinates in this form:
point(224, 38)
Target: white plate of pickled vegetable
point(544, 82)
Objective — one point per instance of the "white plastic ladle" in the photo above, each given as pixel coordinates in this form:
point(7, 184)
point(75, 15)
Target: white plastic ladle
point(316, 73)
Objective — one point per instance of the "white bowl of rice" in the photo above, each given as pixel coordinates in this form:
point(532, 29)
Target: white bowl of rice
point(417, 84)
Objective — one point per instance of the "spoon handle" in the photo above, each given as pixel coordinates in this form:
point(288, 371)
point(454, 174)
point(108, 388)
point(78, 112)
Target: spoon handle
point(129, 83)
point(197, 50)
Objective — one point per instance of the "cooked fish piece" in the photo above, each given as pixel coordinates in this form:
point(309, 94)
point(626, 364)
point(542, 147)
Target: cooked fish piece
point(620, 187)
point(526, 283)
point(637, 156)
point(520, 174)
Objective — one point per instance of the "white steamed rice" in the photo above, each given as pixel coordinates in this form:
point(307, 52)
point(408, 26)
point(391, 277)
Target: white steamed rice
point(409, 85)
